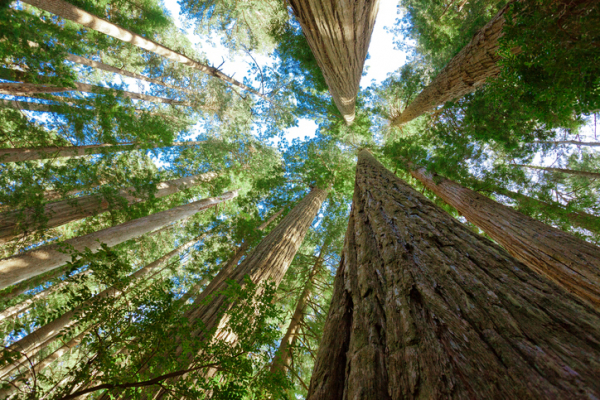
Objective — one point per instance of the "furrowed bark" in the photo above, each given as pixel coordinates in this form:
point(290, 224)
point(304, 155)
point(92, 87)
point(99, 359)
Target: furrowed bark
point(570, 262)
point(587, 174)
point(46, 258)
point(20, 223)
point(339, 33)
point(41, 153)
point(70, 12)
point(283, 356)
point(467, 71)
point(41, 337)
point(423, 308)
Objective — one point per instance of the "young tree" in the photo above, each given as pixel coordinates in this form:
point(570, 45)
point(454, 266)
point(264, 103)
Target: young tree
point(339, 34)
point(424, 307)
point(587, 174)
point(46, 258)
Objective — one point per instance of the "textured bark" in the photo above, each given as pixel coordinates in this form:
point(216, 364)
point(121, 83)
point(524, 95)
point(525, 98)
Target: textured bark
point(29, 345)
point(46, 258)
point(283, 356)
point(42, 153)
point(423, 308)
point(576, 218)
point(79, 16)
point(26, 89)
point(569, 261)
point(339, 33)
point(19, 223)
point(467, 71)
point(587, 174)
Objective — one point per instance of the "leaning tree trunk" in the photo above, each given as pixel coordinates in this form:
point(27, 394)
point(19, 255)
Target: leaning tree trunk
point(268, 262)
point(30, 106)
point(23, 222)
point(339, 33)
point(577, 218)
point(46, 258)
point(41, 153)
point(29, 345)
point(70, 12)
point(587, 174)
point(467, 71)
point(575, 142)
point(423, 308)
point(283, 356)
point(567, 260)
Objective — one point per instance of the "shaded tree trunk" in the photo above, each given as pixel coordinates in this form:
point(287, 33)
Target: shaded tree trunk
point(587, 174)
point(79, 16)
point(46, 258)
point(20, 223)
point(30, 106)
point(283, 356)
point(29, 345)
point(339, 33)
point(569, 261)
point(467, 71)
point(423, 308)
point(42, 153)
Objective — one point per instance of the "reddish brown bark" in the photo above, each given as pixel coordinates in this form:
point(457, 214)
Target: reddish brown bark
point(569, 261)
point(467, 71)
point(339, 33)
point(19, 223)
point(423, 308)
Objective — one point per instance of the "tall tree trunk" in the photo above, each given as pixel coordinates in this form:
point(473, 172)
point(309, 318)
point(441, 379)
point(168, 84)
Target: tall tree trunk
point(569, 261)
point(283, 356)
point(575, 142)
point(41, 153)
point(339, 33)
point(23, 286)
point(41, 337)
point(587, 174)
point(30, 106)
point(46, 258)
point(423, 308)
point(79, 16)
point(23, 222)
point(467, 71)
point(577, 218)
point(26, 89)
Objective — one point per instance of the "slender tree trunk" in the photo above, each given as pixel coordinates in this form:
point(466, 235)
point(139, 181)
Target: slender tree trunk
point(41, 337)
point(593, 175)
point(70, 12)
point(26, 89)
point(423, 308)
point(467, 71)
point(575, 142)
point(339, 33)
point(46, 258)
point(42, 153)
point(29, 106)
point(283, 356)
point(569, 261)
point(23, 286)
point(20, 223)
point(577, 218)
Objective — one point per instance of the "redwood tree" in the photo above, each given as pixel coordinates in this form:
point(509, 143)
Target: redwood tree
point(425, 308)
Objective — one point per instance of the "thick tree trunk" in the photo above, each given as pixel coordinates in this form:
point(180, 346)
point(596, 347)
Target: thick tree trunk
point(20, 223)
point(283, 356)
point(575, 142)
point(26, 89)
point(423, 308)
point(467, 71)
point(339, 33)
point(42, 153)
point(569, 261)
point(46, 258)
point(29, 345)
point(577, 218)
point(587, 174)
point(79, 16)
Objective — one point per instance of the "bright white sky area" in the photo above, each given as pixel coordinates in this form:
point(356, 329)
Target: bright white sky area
point(383, 60)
